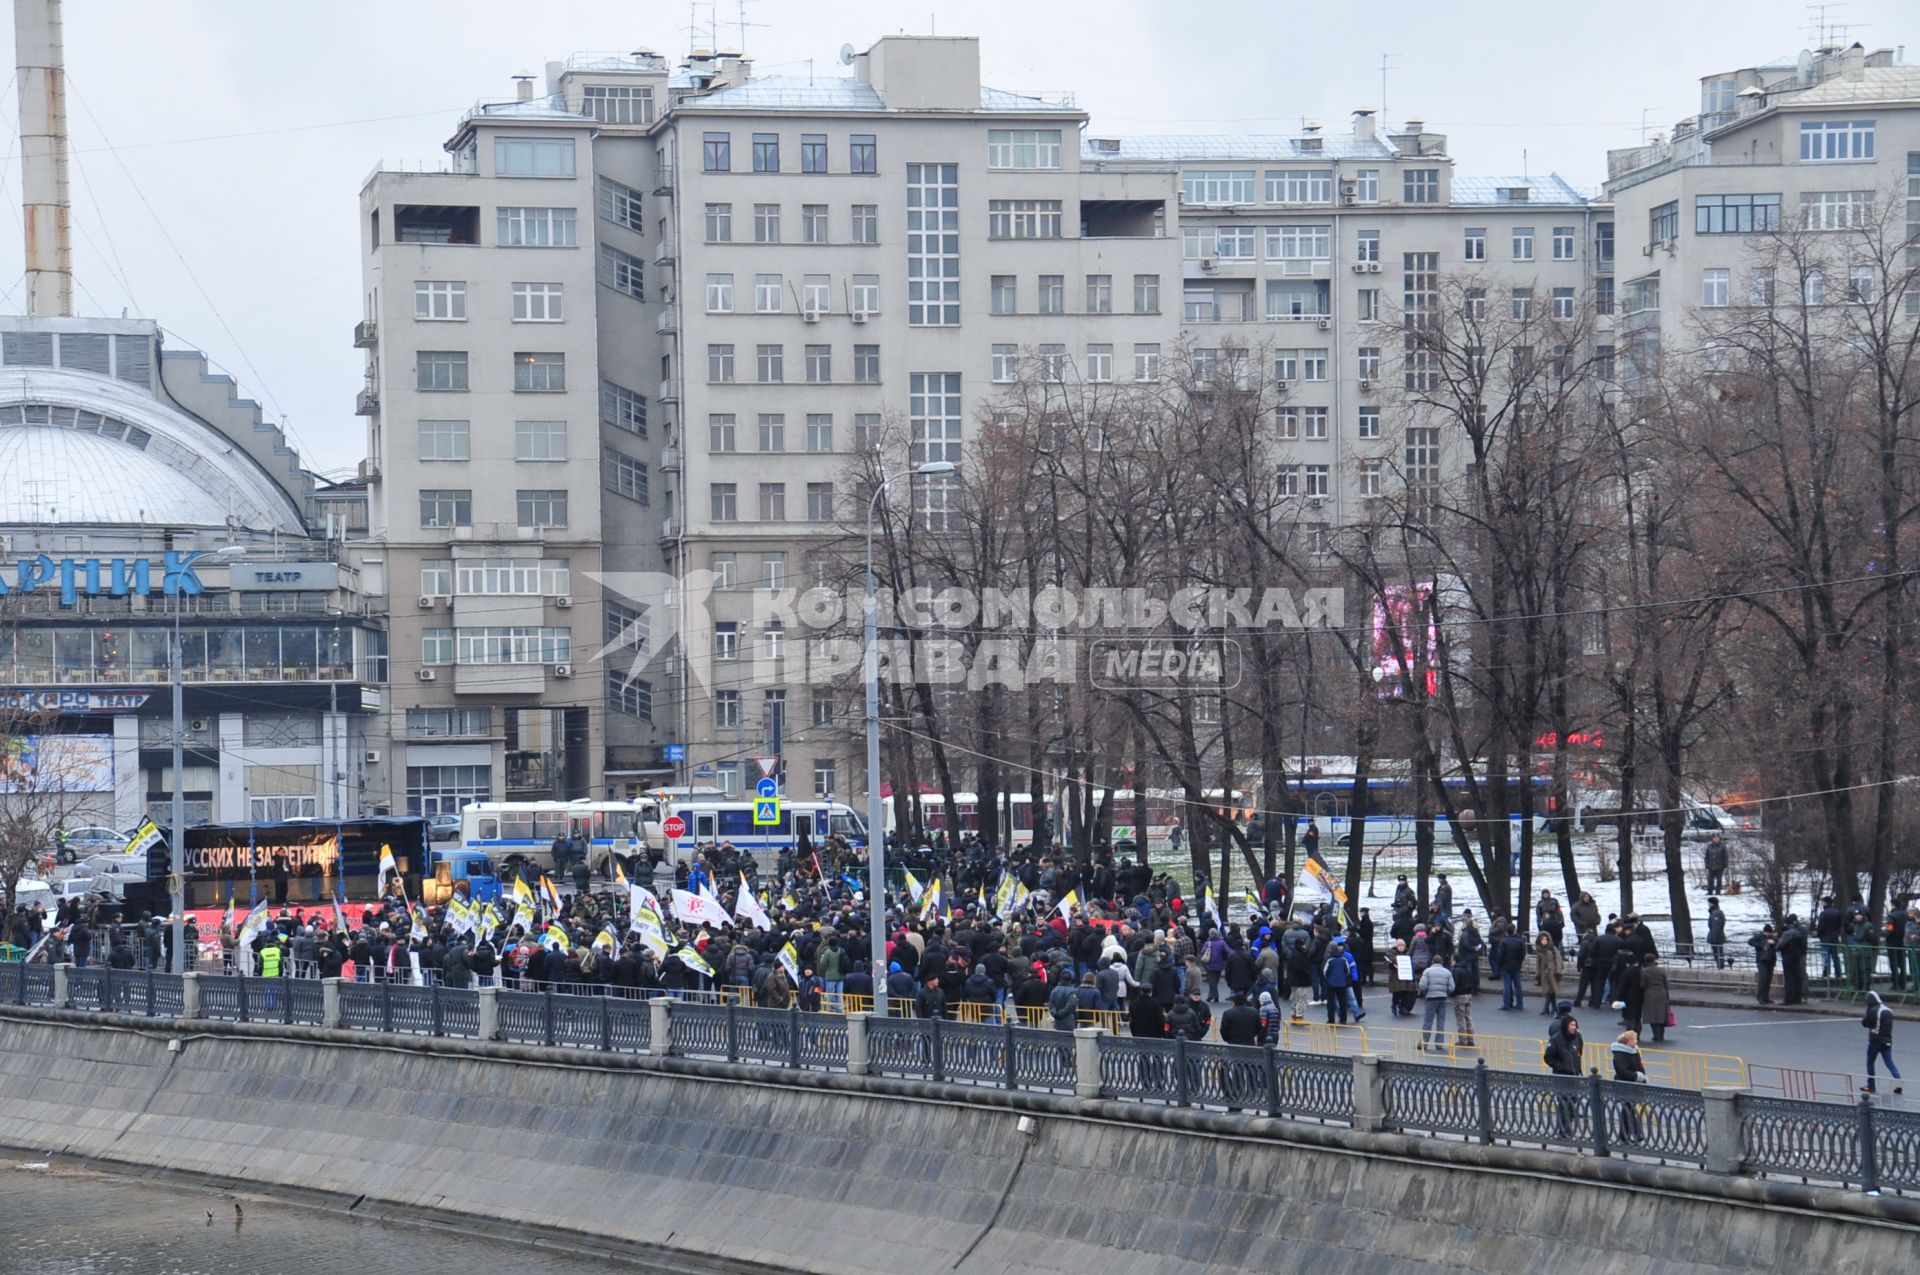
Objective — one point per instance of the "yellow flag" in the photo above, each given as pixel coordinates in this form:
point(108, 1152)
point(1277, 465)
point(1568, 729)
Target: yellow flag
point(557, 935)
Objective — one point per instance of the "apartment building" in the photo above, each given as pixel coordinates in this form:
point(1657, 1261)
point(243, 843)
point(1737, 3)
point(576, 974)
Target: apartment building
point(763, 280)
point(1827, 141)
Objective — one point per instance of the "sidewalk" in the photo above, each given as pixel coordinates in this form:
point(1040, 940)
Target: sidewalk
point(1699, 997)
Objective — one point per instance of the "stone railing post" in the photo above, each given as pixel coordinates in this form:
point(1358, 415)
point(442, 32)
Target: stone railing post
point(329, 1002)
point(1086, 1062)
point(1369, 1094)
point(660, 1026)
point(489, 1013)
point(857, 1044)
point(190, 995)
point(62, 985)
point(1726, 1147)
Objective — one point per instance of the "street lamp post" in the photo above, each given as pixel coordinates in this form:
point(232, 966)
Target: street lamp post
point(176, 833)
point(876, 823)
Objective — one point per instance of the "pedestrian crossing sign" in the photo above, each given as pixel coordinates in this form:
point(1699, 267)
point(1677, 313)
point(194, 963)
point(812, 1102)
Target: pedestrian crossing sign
point(766, 812)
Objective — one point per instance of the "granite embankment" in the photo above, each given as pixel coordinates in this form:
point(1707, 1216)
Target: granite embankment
point(721, 1167)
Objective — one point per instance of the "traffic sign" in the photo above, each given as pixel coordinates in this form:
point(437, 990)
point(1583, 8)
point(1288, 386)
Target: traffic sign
point(673, 826)
point(766, 812)
point(768, 788)
point(673, 752)
point(769, 766)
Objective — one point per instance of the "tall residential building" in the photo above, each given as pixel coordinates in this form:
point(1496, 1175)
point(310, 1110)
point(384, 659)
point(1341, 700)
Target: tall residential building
point(1828, 141)
point(750, 282)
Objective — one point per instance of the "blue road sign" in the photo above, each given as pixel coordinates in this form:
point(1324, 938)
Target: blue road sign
point(766, 812)
point(767, 788)
point(674, 752)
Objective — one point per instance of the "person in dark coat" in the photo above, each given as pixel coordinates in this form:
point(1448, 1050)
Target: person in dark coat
point(1240, 1024)
point(1145, 1018)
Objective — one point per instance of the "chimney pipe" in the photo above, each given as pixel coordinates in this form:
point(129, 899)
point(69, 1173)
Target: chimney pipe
point(523, 87)
point(41, 73)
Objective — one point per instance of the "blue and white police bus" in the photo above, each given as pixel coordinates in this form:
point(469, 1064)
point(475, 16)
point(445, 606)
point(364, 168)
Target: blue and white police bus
point(708, 821)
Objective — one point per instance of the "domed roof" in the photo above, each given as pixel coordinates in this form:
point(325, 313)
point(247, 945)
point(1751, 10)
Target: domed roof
point(79, 450)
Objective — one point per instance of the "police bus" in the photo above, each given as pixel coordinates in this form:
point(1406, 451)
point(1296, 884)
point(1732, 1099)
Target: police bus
point(625, 831)
point(706, 821)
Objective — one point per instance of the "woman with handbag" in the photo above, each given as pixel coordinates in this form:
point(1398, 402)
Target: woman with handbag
point(1628, 1068)
point(1656, 1006)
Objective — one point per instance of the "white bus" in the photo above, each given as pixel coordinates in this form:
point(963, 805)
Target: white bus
point(707, 822)
point(1015, 815)
point(624, 830)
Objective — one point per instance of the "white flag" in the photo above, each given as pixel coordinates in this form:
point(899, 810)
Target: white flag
point(712, 900)
point(748, 907)
point(1213, 909)
point(699, 909)
point(641, 900)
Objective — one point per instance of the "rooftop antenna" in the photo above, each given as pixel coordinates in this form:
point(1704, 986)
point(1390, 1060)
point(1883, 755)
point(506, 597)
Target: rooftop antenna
point(744, 24)
point(1384, 68)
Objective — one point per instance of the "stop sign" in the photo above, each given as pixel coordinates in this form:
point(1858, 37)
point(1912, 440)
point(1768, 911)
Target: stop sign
point(674, 826)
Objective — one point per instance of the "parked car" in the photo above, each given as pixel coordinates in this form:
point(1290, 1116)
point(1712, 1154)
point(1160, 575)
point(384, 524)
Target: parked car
point(28, 891)
point(443, 827)
point(74, 844)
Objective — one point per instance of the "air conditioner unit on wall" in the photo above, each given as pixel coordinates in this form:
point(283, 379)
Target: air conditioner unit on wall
point(563, 670)
point(1373, 267)
point(426, 675)
point(373, 757)
point(426, 602)
point(563, 602)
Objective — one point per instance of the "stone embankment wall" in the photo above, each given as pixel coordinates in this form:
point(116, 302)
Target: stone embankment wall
point(683, 1165)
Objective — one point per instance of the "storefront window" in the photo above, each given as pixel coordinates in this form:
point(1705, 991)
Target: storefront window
point(263, 654)
point(224, 655)
point(299, 653)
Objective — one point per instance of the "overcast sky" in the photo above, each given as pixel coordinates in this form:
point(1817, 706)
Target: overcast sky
point(219, 145)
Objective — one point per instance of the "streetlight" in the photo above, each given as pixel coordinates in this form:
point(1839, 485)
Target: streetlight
point(176, 834)
point(876, 824)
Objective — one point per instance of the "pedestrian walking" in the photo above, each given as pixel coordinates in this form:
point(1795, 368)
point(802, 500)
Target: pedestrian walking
point(1878, 1021)
point(1436, 990)
point(1656, 1005)
point(1547, 966)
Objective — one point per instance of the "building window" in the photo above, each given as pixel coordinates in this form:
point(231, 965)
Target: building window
point(446, 790)
point(542, 506)
point(773, 646)
point(1316, 481)
point(1366, 305)
point(446, 440)
point(448, 723)
point(539, 373)
point(1714, 287)
point(446, 507)
point(863, 154)
point(1299, 243)
point(819, 364)
point(1053, 294)
point(439, 300)
point(1146, 294)
point(1366, 246)
point(537, 227)
point(620, 205)
point(767, 292)
point(719, 364)
point(539, 440)
point(1006, 363)
point(623, 272)
point(1233, 243)
point(1023, 218)
point(1370, 478)
point(866, 365)
point(618, 103)
point(1023, 148)
point(719, 294)
point(628, 694)
point(1286, 424)
point(436, 578)
point(816, 294)
point(623, 475)
point(819, 502)
point(766, 223)
point(1217, 186)
point(933, 245)
point(1859, 284)
point(1420, 185)
point(1003, 293)
point(1836, 209)
point(1423, 464)
point(823, 777)
point(1367, 361)
point(725, 567)
point(436, 646)
point(1298, 186)
point(770, 364)
point(1813, 287)
point(819, 433)
point(766, 152)
point(1369, 423)
point(1366, 186)
point(1474, 247)
point(866, 223)
point(1099, 294)
point(866, 294)
point(1052, 358)
point(533, 156)
point(1836, 139)
point(1099, 363)
point(1603, 295)
point(515, 644)
point(1563, 243)
point(813, 223)
point(1735, 214)
point(515, 577)
point(440, 370)
point(716, 152)
point(1146, 362)
point(773, 502)
point(1563, 303)
point(813, 152)
point(538, 303)
point(726, 715)
point(719, 223)
point(1313, 423)
point(1523, 243)
point(1286, 481)
point(1663, 223)
point(721, 433)
point(1521, 303)
point(773, 568)
point(773, 432)
point(724, 501)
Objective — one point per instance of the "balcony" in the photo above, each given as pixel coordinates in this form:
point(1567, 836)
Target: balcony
point(670, 460)
point(365, 334)
point(367, 402)
point(663, 252)
point(668, 323)
point(669, 390)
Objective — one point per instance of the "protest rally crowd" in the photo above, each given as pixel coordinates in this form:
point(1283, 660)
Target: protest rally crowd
point(1051, 938)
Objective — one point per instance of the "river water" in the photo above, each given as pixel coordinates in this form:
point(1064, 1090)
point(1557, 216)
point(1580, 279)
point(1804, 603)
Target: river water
point(62, 1222)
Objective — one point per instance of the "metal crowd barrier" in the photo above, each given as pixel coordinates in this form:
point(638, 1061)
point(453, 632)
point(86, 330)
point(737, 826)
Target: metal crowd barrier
point(1721, 1129)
